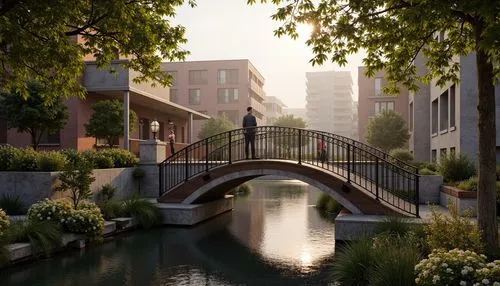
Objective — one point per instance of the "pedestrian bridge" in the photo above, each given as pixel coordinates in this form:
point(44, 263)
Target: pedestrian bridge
point(362, 178)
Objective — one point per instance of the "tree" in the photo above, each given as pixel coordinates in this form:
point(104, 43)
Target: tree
point(77, 178)
point(289, 141)
point(215, 126)
point(393, 33)
point(34, 115)
point(107, 121)
point(47, 40)
point(387, 130)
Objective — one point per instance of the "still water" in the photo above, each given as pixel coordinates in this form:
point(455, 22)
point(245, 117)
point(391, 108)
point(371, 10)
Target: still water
point(274, 236)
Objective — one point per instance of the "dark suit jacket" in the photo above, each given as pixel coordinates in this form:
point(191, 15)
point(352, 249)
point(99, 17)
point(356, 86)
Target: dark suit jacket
point(249, 121)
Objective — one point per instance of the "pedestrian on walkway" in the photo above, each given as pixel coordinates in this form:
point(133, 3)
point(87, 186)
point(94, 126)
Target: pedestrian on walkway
point(249, 124)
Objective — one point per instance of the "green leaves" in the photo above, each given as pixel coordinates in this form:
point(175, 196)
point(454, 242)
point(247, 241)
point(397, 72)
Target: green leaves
point(387, 130)
point(48, 40)
point(41, 112)
point(215, 126)
point(107, 121)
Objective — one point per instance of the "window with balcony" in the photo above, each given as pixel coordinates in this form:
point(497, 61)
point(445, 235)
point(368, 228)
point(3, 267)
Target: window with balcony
point(173, 95)
point(443, 111)
point(383, 105)
point(434, 116)
point(194, 96)
point(229, 76)
point(227, 95)
point(173, 74)
point(452, 106)
point(198, 77)
point(378, 86)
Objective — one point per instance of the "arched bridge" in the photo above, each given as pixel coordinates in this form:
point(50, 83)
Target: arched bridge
point(362, 178)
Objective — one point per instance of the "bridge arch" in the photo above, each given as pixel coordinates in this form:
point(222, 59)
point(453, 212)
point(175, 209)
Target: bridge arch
point(361, 178)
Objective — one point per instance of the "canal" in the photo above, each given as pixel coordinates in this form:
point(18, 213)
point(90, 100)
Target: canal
point(274, 236)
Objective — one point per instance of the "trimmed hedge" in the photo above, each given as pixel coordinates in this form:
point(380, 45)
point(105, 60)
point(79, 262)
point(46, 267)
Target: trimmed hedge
point(29, 160)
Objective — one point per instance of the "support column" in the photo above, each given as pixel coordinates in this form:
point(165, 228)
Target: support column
point(190, 128)
point(126, 117)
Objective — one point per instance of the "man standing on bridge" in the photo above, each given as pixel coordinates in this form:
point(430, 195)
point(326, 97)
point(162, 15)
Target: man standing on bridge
point(249, 123)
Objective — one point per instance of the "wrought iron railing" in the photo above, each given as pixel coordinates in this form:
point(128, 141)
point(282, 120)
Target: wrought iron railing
point(385, 178)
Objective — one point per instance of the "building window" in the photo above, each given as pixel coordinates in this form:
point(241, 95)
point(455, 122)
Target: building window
point(434, 155)
point(227, 95)
point(227, 76)
point(443, 111)
point(144, 128)
point(174, 95)
point(383, 105)
point(411, 117)
point(442, 152)
point(194, 96)
point(452, 151)
point(173, 74)
point(452, 106)
point(50, 138)
point(198, 77)
point(378, 86)
point(231, 115)
point(435, 108)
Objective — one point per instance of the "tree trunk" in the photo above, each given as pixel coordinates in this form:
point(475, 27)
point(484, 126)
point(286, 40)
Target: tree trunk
point(34, 142)
point(486, 197)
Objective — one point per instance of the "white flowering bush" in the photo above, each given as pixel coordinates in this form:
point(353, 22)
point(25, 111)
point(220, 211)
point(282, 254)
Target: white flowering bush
point(86, 219)
point(50, 210)
point(457, 267)
point(4, 223)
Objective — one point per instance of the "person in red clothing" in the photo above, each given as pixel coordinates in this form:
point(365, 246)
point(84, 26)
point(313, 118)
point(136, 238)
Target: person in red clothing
point(321, 150)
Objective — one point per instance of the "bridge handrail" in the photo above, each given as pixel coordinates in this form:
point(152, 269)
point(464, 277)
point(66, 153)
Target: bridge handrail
point(214, 146)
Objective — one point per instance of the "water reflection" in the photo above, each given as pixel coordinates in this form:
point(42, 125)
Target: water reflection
point(273, 237)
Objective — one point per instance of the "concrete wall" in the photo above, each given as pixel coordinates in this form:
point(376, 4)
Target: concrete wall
point(32, 187)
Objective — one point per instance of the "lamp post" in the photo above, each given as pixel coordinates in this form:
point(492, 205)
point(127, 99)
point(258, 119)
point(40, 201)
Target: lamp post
point(155, 128)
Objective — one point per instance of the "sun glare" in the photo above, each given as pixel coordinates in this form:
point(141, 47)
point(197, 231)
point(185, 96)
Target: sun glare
point(304, 30)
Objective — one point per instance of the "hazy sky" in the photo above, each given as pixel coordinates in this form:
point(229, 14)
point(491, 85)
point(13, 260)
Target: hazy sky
point(230, 29)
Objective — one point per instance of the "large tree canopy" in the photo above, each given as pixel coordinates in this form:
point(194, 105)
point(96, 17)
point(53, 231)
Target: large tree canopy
point(38, 40)
point(393, 33)
point(387, 130)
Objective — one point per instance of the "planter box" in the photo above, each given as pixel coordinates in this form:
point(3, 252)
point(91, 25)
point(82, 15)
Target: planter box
point(460, 199)
point(32, 187)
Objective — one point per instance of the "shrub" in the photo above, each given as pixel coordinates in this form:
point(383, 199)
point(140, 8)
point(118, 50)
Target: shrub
point(111, 209)
point(121, 158)
point(77, 178)
point(323, 201)
point(7, 154)
point(98, 160)
point(427, 172)
point(51, 161)
point(469, 184)
point(4, 223)
point(146, 213)
point(454, 231)
point(43, 235)
point(25, 160)
point(352, 263)
point(50, 210)
point(491, 273)
point(456, 167)
point(107, 192)
point(454, 267)
point(71, 155)
point(393, 225)
point(402, 155)
point(87, 219)
point(12, 205)
point(244, 189)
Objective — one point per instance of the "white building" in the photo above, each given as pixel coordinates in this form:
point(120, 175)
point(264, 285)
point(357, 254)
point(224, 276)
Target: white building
point(329, 102)
point(274, 109)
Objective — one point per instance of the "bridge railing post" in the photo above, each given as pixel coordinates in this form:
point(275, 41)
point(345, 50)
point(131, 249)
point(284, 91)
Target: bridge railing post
point(300, 146)
point(349, 163)
point(417, 193)
point(187, 164)
point(160, 172)
point(206, 154)
point(229, 147)
point(376, 178)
